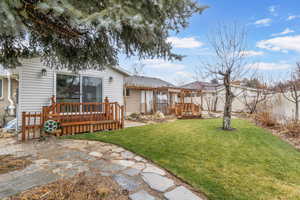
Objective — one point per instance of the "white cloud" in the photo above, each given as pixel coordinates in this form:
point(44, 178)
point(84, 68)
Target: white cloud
point(185, 74)
point(187, 42)
point(162, 64)
point(252, 53)
point(273, 10)
point(263, 22)
point(283, 44)
point(285, 32)
point(292, 17)
point(269, 66)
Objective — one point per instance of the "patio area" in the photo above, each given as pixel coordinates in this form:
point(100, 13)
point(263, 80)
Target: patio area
point(55, 159)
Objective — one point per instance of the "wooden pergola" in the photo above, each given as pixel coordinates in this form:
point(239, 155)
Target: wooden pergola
point(172, 94)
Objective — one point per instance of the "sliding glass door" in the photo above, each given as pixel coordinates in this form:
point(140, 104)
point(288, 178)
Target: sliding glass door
point(91, 89)
point(72, 88)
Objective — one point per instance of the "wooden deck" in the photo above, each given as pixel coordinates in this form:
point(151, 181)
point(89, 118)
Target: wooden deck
point(74, 118)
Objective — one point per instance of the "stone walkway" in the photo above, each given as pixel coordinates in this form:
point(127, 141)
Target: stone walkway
point(56, 159)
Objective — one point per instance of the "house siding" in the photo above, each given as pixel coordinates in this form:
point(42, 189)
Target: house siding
point(133, 102)
point(35, 90)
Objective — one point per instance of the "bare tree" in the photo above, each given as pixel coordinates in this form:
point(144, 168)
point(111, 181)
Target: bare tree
point(291, 89)
point(255, 95)
point(228, 43)
point(138, 69)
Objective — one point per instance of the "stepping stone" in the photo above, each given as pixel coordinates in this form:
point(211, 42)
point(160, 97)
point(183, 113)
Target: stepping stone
point(41, 161)
point(139, 166)
point(153, 169)
point(181, 193)
point(139, 158)
point(113, 168)
point(105, 166)
point(104, 149)
point(141, 195)
point(96, 154)
point(118, 150)
point(125, 163)
point(132, 172)
point(127, 183)
point(115, 155)
point(127, 155)
point(98, 164)
point(157, 182)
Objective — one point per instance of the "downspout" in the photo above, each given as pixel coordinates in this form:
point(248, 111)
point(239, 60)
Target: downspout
point(11, 107)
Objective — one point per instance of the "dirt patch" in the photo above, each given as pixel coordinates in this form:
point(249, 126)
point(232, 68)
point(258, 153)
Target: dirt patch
point(10, 163)
point(77, 188)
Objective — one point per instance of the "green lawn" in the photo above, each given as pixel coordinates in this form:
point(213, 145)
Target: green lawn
point(249, 163)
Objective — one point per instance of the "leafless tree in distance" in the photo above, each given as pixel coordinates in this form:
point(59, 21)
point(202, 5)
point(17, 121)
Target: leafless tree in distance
point(291, 89)
point(138, 69)
point(228, 43)
point(256, 92)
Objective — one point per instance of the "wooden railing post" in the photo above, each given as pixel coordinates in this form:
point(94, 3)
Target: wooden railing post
point(116, 111)
point(106, 107)
point(23, 126)
point(122, 116)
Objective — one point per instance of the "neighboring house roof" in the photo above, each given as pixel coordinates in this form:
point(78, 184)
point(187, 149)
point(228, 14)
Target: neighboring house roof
point(199, 85)
point(144, 81)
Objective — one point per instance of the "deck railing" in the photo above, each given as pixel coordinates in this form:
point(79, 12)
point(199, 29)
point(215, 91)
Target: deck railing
point(75, 118)
point(187, 110)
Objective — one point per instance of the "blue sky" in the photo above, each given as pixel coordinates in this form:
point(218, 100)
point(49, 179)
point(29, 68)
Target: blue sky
point(273, 38)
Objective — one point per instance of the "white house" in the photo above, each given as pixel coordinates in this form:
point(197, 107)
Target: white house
point(37, 84)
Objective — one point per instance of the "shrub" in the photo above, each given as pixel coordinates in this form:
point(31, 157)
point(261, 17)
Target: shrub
point(292, 128)
point(265, 119)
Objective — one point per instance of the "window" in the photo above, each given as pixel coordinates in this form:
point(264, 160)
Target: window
point(67, 88)
point(1, 88)
point(71, 88)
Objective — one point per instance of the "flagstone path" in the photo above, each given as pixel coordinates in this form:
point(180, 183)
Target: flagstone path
point(55, 159)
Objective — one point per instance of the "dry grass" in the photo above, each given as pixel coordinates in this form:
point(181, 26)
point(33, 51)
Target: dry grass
point(265, 119)
point(10, 163)
point(77, 188)
point(291, 129)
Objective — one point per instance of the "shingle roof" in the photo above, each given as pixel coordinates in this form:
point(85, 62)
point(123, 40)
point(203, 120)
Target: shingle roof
point(144, 81)
point(198, 85)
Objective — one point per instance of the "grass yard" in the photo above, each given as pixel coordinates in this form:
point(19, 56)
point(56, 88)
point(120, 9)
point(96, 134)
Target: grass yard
point(249, 163)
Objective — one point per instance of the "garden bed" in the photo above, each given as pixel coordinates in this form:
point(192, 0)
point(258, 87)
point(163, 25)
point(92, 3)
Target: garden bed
point(77, 188)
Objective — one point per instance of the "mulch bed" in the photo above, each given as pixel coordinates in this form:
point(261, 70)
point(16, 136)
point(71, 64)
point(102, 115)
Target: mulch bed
point(77, 188)
point(10, 163)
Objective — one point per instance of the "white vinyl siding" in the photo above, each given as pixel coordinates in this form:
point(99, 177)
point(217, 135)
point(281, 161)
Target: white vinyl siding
point(36, 90)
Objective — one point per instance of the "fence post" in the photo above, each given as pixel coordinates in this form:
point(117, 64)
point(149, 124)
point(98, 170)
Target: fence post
point(116, 111)
point(23, 126)
point(106, 107)
point(122, 116)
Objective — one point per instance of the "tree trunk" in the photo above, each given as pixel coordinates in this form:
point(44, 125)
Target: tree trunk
point(228, 104)
point(297, 111)
point(216, 103)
